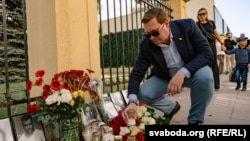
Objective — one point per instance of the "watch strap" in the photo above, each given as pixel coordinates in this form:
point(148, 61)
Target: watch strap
point(133, 101)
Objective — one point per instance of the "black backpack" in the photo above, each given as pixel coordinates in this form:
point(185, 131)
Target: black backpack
point(232, 75)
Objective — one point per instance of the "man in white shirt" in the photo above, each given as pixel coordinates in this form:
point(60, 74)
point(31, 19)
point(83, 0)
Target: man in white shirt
point(30, 133)
point(220, 57)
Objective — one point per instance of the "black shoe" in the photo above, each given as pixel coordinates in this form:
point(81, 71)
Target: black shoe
point(237, 88)
point(217, 89)
point(195, 123)
point(243, 89)
point(175, 110)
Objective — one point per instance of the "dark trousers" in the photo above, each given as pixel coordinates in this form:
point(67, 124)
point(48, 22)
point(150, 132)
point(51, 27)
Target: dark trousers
point(215, 67)
point(241, 75)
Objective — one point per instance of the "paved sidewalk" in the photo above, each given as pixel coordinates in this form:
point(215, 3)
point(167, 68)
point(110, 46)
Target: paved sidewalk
point(228, 106)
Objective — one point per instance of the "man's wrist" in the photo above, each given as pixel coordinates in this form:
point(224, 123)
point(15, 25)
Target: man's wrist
point(133, 101)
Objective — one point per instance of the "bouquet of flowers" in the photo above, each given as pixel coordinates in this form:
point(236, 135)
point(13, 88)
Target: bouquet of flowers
point(145, 116)
point(64, 97)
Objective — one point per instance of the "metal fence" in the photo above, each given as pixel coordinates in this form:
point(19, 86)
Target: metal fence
point(13, 58)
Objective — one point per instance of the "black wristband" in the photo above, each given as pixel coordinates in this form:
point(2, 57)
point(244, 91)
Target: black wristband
point(133, 101)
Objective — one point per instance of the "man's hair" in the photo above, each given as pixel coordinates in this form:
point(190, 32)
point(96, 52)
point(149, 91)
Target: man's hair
point(26, 117)
point(155, 12)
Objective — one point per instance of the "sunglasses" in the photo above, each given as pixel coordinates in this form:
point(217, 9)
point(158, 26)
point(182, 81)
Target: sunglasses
point(154, 33)
point(202, 14)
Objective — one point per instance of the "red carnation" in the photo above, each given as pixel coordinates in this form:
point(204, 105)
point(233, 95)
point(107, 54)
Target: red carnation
point(29, 85)
point(55, 85)
point(39, 81)
point(32, 107)
point(40, 73)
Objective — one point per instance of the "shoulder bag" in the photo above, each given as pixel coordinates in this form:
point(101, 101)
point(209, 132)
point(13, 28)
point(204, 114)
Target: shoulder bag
point(210, 36)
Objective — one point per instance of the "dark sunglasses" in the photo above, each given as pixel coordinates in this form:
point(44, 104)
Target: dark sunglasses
point(154, 33)
point(202, 14)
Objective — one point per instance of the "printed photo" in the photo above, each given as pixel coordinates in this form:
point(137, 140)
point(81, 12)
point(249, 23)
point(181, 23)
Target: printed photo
point(5, 130)
point(109, 106)
point(117, 100)
point(28, 128)
point(90, 114)
point(125, 96)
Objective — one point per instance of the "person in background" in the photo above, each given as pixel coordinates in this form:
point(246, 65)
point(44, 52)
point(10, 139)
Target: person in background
point(220, 57)
point(30, 133)
point(230, 59)
point(209, 25)
point(248, 43)
point(179, 56)
point(242, 59)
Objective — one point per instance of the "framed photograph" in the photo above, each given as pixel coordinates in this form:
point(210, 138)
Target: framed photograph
point(109, 106)
point(90, 114)
point(118, 101)
point(28, 128)
point(5, 130)
point(125, 96)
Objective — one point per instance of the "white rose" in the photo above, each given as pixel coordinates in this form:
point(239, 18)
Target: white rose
point(51, 99)
point(147, 114)
point(151, 121)
point(139, 114)
point(142, 126)
point(143, 109)
point(144, 119)
point(124, 131)
point(131, 122)
point(156, 116)
point(66, 96)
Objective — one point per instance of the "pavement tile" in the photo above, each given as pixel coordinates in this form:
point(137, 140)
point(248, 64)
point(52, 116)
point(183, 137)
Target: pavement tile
point(227, 107)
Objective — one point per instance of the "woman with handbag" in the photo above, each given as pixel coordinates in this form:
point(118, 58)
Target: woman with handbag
point(208, 28)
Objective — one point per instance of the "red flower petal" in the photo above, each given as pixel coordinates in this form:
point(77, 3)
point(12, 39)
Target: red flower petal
point(29, 85)
point(32, 107)
point(56, 77)
point(39, 81)
point(117, 122)
point(46, 88)
point(40, 73)
point(55, 85)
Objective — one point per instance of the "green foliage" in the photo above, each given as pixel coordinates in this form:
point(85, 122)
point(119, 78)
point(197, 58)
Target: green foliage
point(121, 48)
point(14, 49)
point(158, 119)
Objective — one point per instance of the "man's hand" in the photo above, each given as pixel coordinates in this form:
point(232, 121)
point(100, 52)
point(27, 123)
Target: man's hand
point(175, 84)
point(223, 48)
point(129, 112)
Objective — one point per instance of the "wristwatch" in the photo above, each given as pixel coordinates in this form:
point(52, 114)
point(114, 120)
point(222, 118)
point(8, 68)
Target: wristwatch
point(133, 101)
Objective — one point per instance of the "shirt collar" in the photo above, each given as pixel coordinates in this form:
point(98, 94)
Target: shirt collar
point(171, 40)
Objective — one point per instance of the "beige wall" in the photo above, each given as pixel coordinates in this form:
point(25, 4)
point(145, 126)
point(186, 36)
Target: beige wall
point(62, 35)
point(133, 20)
point(194, 5)
point(179, 8)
